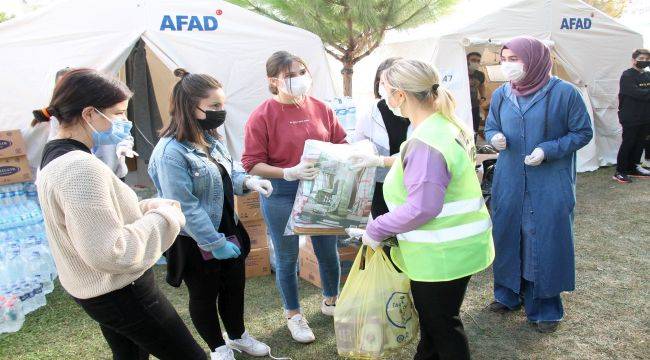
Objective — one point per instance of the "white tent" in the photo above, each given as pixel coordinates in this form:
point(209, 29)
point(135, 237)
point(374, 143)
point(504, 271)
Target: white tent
point(213, 37)
point(589, 49)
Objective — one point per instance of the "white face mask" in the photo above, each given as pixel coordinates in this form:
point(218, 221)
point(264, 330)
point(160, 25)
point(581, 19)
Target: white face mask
point(297, 86)
point(397, 111)
point(382, 92)
point(513, 71)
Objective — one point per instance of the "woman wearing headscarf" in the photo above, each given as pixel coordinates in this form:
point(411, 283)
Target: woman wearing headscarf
point(537, 122)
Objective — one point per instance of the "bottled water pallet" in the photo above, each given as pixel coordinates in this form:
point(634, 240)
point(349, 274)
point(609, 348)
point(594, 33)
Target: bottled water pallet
point(27, 269)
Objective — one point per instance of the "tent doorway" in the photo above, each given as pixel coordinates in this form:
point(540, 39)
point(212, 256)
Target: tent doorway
point(151, 82)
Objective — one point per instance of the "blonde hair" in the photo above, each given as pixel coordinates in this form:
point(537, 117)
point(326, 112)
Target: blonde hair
point(422, 81)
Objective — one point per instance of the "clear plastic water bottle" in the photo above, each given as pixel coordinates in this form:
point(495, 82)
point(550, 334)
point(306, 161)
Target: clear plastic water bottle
point(14, 266)
point(5, 279)
point(37, 290)
point(12, 314)
point(20, 194)
point(40, 271)
point(25, 296)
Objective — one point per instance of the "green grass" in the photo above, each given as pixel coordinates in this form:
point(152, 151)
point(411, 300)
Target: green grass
point(607, 317)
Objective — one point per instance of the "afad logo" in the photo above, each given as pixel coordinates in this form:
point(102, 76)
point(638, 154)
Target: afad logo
point(190, 23)
point(5, 144)
point(8, 170)
point(576, 24)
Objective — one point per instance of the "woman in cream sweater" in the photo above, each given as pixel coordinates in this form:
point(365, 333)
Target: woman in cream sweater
point(103, 241)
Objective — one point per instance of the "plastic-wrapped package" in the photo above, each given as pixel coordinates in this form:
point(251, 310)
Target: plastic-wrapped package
point(339, 197)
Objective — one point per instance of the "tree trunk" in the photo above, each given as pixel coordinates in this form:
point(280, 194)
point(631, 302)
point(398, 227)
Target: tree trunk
point(347, 72)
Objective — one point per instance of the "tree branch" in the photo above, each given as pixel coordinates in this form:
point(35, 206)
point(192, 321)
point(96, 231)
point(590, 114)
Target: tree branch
point(334, 55)
point(263, 11)
point(367, 52)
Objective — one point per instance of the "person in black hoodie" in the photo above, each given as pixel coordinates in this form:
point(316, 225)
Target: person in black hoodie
point(634, 116)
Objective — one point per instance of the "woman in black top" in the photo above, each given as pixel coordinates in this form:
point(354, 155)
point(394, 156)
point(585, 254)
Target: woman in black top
point(192, 165)
point(387, 131)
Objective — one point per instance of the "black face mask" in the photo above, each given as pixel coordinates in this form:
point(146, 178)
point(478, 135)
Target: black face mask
point(642, 64)
point(213, 119)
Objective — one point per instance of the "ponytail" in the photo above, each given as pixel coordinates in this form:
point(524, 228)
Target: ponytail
point(43, 115)
point(446, 105)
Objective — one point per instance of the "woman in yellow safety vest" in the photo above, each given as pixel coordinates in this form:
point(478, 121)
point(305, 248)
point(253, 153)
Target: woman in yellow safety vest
point(436, 208)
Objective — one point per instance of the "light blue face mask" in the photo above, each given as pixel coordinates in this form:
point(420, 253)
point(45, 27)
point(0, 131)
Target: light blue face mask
point(120, 129)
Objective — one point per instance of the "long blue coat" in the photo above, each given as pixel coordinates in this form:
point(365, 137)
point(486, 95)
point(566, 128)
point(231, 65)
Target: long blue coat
point(556, 121)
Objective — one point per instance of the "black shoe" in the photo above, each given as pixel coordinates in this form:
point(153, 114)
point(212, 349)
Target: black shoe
point(640, 172)
point(499, 308)
point(622, 178)
point(546, 327)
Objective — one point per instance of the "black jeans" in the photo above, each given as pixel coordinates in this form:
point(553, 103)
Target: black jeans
point(442, 335)
point(646, 144)
point(629, 154)
point(476, 118)
point(210, 283)
point(138, 320)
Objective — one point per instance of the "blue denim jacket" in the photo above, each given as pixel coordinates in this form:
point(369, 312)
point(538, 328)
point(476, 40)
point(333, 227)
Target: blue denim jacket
point(184, 173)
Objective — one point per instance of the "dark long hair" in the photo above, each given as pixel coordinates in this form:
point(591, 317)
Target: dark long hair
point(185, 98)
point(280, 62)
point(79, 89)
point(383, 66)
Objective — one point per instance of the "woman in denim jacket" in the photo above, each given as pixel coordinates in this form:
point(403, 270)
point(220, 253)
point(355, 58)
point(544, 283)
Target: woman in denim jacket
point(191, 164)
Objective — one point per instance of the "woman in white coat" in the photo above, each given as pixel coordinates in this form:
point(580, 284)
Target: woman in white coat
point(386, 130)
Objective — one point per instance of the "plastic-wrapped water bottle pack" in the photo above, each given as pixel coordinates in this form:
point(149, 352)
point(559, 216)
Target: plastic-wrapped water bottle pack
point(27, 270)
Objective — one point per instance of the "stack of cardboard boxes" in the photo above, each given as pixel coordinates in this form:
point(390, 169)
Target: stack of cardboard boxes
point(250, 214)
point(14, 167)
point(309, 264)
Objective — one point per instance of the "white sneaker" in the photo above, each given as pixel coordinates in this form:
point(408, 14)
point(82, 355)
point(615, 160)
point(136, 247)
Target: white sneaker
point(300, 330)
point(642, 171)
point(327, 309)
point(222, 353)
point(247, 344)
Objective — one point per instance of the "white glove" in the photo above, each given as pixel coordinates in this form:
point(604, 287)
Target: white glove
point(154, 203)
point(535, 158)
point(355, 232)
point(362, 160)
point(367, 240)
point(158, 203)
point(499, 142)
point(262, 186)
point(125, 148)
point(302, 171)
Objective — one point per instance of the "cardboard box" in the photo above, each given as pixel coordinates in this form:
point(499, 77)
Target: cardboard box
point(256, 230)
point(258, 263)
point(305, 243)
point(309, 264)
point(11, 144)
point(248, 208)
point(14, 170)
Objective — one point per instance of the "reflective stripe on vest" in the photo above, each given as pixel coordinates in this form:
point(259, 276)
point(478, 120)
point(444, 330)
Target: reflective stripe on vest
point(454, 208)
point(446, 235)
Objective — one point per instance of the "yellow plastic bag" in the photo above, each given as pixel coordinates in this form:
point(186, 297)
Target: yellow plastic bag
point(374, 314)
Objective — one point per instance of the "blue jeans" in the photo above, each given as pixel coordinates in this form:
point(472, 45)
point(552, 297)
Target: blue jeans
point(546, 309)
point(276, 210)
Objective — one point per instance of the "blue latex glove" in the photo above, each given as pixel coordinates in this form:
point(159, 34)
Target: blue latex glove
point(229, 251)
